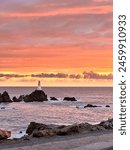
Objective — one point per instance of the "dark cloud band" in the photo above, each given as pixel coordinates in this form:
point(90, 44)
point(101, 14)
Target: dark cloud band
point(85, 75)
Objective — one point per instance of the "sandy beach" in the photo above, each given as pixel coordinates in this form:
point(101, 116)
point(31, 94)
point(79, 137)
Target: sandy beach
point(88, 141)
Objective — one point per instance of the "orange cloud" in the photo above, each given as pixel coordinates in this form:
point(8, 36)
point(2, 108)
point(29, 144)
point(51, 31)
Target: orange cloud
point(56, 36)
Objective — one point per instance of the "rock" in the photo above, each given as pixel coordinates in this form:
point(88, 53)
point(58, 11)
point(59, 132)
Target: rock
point(6, 97)
point(2, 107)
point(107, 106)
point(42, 133)
point(1, 99)
point(41, 130)
point(107, 124)
point(90, 105)
point(71, 129)
point(36, 96)
point(16, 99)
point(4, 134)
point(35, 126)
point(53, 99)
point(69, 99)
point(21, 98)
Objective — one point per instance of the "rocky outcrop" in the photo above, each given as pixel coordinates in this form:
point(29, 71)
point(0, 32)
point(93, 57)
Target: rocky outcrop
point(107, 124)
point(69, 99)
point(40, 130)
point(4, 134)
point(90, 105)
point(53, 99)
point(36, 96)
point(107, 106)
point(35, 126)
point(15, 99)
point(5, 98)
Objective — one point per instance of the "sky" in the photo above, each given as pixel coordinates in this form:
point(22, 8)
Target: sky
point(60, 42)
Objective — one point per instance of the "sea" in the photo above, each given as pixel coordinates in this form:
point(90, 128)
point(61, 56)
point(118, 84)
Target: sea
point(17, 116)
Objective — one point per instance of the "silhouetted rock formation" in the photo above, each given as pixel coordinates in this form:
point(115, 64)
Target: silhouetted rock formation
point(53, 99)
point(5, 98)
point(69, 99)
point(107, 106)
point(4, 134)
point(15, 99)
point(90, 105)
point(36, 96)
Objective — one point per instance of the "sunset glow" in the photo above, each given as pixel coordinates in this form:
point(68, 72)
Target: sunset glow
point(60, 42)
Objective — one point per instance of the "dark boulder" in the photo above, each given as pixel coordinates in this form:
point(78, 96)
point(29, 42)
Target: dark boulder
point(6, 97)
point(21, 98)
point(2, 107)
point(90, 105)
point(107, 106)
point(4, 134)
point(53, 99)
point(15, 99)
point(107, 124)
point(36, 96)
point(33, 126)
point(69, 99)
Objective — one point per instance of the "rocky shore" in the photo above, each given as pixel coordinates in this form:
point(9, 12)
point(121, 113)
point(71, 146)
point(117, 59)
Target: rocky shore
point(83, 135)
point(38, 130)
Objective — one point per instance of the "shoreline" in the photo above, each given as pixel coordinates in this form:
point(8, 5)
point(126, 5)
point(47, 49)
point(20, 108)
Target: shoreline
point(84, 141)
point(82, 136)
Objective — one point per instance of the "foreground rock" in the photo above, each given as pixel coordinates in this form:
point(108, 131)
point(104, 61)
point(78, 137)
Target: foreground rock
point(36, 96)
point(90, 105)
point(5, 98)
point(41, 130)
point(107, 124)
point(4, 134)
point(69, 99)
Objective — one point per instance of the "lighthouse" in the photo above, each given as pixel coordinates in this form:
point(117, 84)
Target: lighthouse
point(39, 88)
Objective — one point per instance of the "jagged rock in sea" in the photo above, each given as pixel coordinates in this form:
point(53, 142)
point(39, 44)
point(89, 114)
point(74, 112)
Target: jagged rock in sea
point(53, 99)
point(90, 105)
point(107, 106)
point(15, 99)
point(21, 98)
point(41, 130)
point(36, 96)
point(4, 134)
point(69, 99)
point(5, 98)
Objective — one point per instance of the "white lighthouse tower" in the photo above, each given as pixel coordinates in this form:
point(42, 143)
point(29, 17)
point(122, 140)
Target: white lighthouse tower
point(39, 88)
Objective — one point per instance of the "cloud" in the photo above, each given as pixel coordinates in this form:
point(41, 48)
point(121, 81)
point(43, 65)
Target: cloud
point(8, 76)
point(51, 75)
point(32, 77)
point(93, 75)
point(55, 34)
point(75, 76)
